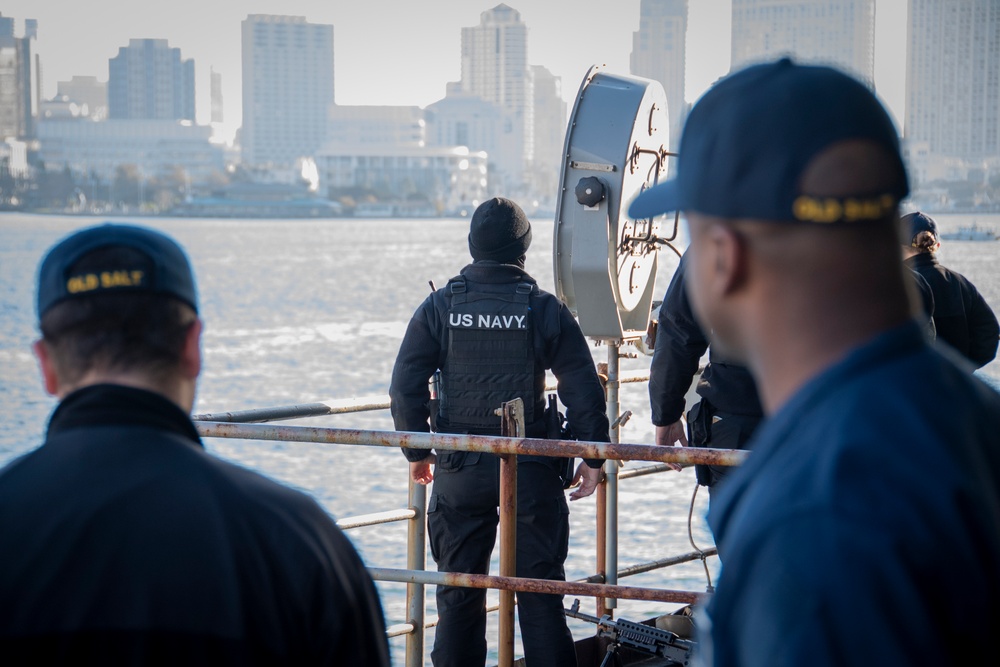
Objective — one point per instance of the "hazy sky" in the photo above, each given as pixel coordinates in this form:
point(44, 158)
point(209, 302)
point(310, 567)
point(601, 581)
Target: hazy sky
point(402, 51)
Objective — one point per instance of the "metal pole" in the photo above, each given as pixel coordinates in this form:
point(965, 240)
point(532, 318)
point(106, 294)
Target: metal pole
point(602, 531)
point(546, 586)
point(611, 470)
point(279, 412)
point(511, 425)
point(476, 443)
point(416, 559)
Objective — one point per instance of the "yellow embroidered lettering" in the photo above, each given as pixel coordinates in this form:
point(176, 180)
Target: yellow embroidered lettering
point(83, 283)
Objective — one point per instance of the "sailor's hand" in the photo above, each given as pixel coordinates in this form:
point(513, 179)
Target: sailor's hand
point(421, 472)
point(666, 436)
point(588, 478)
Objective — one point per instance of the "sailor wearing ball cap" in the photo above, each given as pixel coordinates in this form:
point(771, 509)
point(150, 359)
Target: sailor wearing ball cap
point(867, 517)
point(123, 540)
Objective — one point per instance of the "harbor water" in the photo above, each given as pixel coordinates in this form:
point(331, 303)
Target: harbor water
point(299, 311)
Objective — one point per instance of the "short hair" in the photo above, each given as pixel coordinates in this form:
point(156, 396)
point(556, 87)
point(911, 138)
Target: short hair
point(116, 331)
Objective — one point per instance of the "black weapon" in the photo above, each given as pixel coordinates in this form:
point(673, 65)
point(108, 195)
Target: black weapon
point(637, 637)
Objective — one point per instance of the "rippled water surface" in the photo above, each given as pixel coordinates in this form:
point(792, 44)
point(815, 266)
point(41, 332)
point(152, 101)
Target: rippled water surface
point(299, 311)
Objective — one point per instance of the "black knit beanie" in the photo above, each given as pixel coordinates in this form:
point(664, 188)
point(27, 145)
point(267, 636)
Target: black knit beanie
point(500, 231)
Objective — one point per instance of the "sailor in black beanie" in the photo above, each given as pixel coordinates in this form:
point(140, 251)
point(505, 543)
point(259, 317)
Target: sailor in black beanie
point(492, 334)
point(500, 232)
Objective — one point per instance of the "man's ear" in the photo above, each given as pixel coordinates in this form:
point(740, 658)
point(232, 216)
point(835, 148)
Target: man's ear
point(731, 259)
point(191, 352)
point(45, 364)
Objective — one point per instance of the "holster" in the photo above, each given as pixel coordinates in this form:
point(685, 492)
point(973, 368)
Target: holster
point(556, 428)
point(699, 419)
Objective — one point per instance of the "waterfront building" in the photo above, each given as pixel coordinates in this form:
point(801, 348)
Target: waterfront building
point(13, 159)
point(658, 48)
point(156, 147)
point(391, 125)
point(465, 119)
point(408, 180)
point(20, 79)
point(495, 68)
point(832, 32)
point(148, 80)
point(288, 89)
point(953, 80)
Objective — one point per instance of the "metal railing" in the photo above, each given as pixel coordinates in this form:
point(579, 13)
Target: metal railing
point(603, 586)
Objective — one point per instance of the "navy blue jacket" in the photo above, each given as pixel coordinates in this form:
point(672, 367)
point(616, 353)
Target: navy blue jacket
point(559, 344)
point(866, 520)
point(962, 318)
point(680, 344)
point(124, 542)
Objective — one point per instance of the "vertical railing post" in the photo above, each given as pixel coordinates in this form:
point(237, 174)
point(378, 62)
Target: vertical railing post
point(601, 529)
point(416, 559)
point(611, 471)
point(511, 425)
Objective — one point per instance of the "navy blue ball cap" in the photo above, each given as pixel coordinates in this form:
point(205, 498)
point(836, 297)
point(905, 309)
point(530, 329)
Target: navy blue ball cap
point(166, 269)
point(750, 138)
point(919, 222)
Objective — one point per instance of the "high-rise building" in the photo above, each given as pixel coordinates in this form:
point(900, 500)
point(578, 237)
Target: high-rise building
point(20, 80)
point(287, 88)
point(215, 81)
point(148, 80)
point(953, 78)
point(658, 53)
point(549, 132)
point(495, 68)
point(832, 32)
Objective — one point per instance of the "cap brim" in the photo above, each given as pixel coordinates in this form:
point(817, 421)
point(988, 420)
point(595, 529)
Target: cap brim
point(659, 199)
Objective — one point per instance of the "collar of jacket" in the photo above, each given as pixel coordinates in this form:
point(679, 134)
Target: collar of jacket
point(922, 259)
point(486, 271)
point(118, 405)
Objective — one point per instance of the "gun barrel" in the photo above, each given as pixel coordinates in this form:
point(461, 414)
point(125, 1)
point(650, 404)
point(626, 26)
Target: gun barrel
point(575, 612)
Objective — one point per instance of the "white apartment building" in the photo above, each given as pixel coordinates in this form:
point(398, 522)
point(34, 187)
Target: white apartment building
point(831, 32)
point(658, 48)
point(953, 81)
point(495, 68)
point(287, 89)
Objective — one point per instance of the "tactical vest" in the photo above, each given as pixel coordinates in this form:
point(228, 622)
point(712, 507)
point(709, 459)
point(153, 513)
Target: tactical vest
point(490, 358)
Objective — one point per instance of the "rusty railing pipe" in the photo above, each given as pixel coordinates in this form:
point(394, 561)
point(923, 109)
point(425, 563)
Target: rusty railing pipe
point(476, 443)
point(534, 585)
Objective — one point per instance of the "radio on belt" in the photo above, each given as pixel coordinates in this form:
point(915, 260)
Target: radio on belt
point(616, 146)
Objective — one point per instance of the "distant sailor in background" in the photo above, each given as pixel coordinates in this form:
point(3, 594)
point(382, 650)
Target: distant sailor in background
point(122, 541)
point(962, 318)
point(866, 519)
point(493, 334)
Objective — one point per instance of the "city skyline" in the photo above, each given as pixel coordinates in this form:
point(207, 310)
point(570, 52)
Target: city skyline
point(410, 58)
